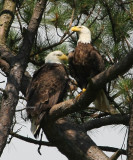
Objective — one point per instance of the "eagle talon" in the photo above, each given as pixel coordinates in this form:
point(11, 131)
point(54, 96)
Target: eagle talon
point(78, 96)
point(83, 90)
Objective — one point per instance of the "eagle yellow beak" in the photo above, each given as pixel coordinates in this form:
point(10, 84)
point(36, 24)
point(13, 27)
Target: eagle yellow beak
point(75, 29)
point(63, 57)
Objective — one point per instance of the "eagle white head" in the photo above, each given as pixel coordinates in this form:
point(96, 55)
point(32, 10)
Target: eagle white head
point(56, 57)
point(84, 33)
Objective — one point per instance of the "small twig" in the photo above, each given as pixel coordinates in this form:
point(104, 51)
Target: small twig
point(110, 58)
point(98, 35)
point(40, 144)
point(3, 74)
point(2, 82)
point(30, 140)
point(19, 110)
point(113, 149)
point(128, 44)
point(95, 18)
point(20, 97)
point(19, 21)
point(22, 17)
point(71, 21)
point(46, 34)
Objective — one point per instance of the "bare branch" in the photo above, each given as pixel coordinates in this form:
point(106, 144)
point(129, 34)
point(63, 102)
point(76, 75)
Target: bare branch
point(116, 155)
point(4, 66)
point(30, 140)
point(109, 120)
point(130, 137)
point(112, 149)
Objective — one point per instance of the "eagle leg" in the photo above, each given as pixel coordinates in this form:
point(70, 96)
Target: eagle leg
point(78, 96)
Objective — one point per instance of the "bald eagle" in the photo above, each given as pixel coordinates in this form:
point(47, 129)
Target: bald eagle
point(47, 88)
point(86, 62)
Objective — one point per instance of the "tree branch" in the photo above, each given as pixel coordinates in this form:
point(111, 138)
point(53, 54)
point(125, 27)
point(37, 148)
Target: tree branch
point(116, 155)
point(30, 140)
point(113, 119)
point(72, 141)
point(130, 137)
point(112, 149)
point(4, 66)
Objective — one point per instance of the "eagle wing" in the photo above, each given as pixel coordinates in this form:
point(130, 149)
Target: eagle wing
point(84, 63)
point(48, 87)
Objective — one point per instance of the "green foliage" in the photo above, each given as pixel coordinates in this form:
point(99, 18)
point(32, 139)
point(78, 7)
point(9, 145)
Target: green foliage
point(125, 87)
point(1, 4)
point(58, 14)
point(14, 40)
point(27, 9)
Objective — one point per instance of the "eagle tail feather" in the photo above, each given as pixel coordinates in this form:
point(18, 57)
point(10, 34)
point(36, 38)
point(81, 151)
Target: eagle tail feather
point(102, 103)
point(35, 129)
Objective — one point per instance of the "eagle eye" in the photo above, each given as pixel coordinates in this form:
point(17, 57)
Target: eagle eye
point(59, 54)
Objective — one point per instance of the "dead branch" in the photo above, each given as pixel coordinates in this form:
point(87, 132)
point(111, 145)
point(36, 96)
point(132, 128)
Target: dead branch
point(109, 120)
point(30, 140)
point(112, 149)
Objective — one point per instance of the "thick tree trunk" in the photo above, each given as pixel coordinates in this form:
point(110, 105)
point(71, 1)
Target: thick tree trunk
point(72, 141)
point(130, 138)
point(6, 113)
point(18, 66)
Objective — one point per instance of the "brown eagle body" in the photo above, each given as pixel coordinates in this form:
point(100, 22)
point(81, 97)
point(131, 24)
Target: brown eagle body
point(85, 62)
point(47, 88)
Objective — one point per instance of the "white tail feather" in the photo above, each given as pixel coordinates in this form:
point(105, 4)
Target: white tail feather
point(34, 127)
point(102, 104)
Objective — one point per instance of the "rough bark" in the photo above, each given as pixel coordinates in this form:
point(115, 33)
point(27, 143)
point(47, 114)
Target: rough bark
point(6, 18)
point(72, 141)
point(18, 65)
point(5, 67)
point(130, 137)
